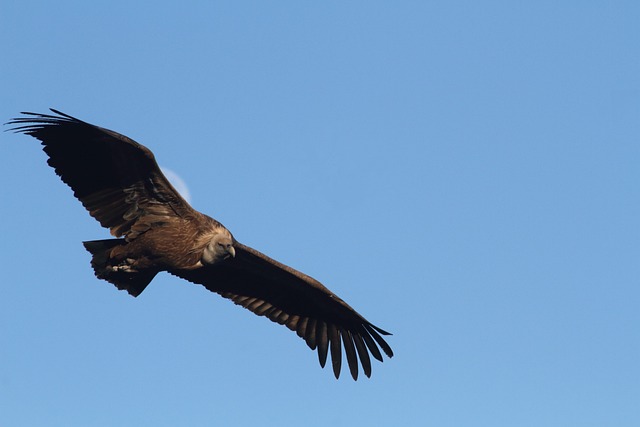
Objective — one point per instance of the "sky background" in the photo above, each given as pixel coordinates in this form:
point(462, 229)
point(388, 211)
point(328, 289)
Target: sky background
point(465, 174)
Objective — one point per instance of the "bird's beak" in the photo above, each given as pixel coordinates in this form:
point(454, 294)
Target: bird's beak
point(232, 252)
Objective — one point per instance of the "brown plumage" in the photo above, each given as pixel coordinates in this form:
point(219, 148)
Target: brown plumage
point(119, 182)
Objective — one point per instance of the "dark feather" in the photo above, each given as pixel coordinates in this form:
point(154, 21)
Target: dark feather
point(350, 351)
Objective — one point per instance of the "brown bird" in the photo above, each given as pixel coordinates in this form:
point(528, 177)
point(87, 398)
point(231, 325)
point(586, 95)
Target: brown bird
point(119, 182)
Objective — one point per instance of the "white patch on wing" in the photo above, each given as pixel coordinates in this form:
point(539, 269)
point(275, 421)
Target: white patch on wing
point(177, 182)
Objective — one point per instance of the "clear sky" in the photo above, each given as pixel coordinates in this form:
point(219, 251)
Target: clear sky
point(465, 174)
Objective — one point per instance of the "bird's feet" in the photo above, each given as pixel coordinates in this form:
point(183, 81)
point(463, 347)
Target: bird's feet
point(125, 266)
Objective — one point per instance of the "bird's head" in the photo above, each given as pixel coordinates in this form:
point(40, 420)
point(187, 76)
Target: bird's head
point(220, 247)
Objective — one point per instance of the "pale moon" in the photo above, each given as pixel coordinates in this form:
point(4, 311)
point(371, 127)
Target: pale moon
point(177, 182)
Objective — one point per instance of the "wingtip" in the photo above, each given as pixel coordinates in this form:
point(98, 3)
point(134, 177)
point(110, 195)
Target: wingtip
point(60, 113)
point(380, 330)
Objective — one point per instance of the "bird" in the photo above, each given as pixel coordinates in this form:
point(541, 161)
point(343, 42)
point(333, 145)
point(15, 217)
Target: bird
point(120, 184)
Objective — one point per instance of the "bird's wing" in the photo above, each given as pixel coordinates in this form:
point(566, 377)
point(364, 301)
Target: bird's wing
point(288, 297)
point(117, 180)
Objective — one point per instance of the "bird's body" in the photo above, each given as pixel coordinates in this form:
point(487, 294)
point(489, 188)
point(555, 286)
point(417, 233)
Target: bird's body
point(119, 182)
point(166, 246)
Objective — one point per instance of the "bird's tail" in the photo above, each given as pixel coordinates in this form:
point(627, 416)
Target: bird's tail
point(123, 278)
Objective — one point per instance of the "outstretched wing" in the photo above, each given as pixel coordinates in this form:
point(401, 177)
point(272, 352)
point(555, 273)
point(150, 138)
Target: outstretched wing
point(117, 180)
point(301, 303)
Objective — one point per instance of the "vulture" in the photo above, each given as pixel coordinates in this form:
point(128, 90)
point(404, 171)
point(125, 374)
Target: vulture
point(119, 182)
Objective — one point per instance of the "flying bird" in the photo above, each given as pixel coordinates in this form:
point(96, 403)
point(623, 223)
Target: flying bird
point(119, 182)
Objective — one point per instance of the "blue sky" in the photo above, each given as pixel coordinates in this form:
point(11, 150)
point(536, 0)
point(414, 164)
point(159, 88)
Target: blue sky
point(465, 174)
